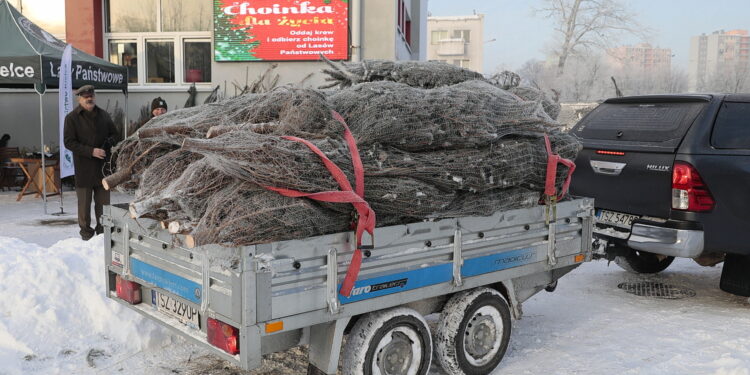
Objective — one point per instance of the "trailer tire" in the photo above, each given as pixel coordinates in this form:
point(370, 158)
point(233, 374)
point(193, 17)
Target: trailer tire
point(473, 332)
point(394, 341)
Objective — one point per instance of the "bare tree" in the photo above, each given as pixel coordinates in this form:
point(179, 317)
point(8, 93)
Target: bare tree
point(584, 24)
point(533, 73)
point(731, 78)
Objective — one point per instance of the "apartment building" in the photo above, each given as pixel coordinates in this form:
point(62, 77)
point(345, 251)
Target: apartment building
point(642, 56)
point(722, 51)
point(457, 40)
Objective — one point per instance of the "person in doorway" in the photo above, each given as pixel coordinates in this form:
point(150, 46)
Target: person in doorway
point(158, 107)
point(87, 130)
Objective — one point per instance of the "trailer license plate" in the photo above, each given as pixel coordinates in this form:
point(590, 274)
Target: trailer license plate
point(183, 312)
point(617, 219)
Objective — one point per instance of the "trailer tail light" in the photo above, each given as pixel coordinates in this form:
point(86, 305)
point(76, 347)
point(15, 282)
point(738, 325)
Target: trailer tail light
point(689, 192)
point(223, 336)
point(128, 290)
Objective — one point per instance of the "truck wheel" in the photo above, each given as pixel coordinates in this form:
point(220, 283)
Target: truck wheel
point(389, 342)
point(643, 262)
point(473, 332)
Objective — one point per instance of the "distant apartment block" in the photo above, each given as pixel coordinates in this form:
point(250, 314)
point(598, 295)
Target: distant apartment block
point(641, 56)
point(720, 51)
point(457, 40)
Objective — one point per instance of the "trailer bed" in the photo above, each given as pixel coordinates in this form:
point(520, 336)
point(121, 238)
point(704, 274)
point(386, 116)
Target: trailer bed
point(281, 294)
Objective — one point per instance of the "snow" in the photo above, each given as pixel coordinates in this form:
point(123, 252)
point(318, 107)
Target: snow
point(54, 312)
point(56, 319)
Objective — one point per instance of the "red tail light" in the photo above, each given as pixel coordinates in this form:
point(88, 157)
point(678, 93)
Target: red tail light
point(605, 152)
point(689, 192)
point(223, 336)
point(128, 290)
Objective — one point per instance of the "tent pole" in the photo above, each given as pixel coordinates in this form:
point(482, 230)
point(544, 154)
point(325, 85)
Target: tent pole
point(125, 119)
point(44, 166)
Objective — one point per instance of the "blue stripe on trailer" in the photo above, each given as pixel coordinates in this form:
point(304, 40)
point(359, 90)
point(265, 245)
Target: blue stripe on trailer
point(400, 282)
point(168, 281)
point(497, 262)
point(403, 281)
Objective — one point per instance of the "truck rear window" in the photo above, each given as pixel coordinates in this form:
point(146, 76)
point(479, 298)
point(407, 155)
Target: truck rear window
point(639, 122)
point(732, 127)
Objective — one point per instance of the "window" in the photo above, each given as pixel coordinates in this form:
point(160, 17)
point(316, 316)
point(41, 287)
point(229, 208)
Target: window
point(125, 53)
point(197, 61)
point(462, 63)
point(438, 35)
point(161, 41)
point(404, 22)
point(47, 14)
point(181, 15)
point(160, 61)
point(462, 34)
point(131, 16)
point(624, 121)
point(732, 127)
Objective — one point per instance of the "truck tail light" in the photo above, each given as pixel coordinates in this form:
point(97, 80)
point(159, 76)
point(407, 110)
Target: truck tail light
point(128, 290)
point(689, 192)
point(223, 336)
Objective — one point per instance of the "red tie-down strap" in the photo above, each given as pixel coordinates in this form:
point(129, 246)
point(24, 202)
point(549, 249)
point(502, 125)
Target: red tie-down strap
point(552, 161)
point(366, 220)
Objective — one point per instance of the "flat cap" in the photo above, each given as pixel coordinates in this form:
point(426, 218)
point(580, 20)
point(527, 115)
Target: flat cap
point(85, 89)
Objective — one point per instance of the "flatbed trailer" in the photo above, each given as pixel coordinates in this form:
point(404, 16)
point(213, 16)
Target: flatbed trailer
point(244, 302)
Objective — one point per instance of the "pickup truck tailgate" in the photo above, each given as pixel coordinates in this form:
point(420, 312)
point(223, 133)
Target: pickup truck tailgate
point(629, 150)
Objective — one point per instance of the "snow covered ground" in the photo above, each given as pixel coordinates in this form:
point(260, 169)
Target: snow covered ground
point(55, 319)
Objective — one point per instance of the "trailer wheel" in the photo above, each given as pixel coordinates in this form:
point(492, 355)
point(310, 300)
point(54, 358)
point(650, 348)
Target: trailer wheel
point(389, 342)
point(473, 332)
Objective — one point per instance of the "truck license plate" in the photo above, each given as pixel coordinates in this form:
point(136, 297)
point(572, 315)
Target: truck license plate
point(171, 307)
point(617, 219)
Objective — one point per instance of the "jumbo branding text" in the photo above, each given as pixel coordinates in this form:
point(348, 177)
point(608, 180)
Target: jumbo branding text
point(11, 70)
point(244, 8)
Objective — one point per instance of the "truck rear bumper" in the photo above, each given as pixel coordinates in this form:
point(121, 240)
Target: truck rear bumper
point(684, 243)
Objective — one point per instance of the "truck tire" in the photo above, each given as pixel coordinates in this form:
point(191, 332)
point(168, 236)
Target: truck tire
point(637, 261)
point(473, 332)
point(389, 342)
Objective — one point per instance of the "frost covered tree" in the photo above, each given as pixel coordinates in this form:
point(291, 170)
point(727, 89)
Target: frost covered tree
point(729, 78)
point(585, 24)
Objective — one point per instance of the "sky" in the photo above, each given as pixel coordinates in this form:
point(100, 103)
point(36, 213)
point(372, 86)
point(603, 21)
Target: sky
point(521, 36)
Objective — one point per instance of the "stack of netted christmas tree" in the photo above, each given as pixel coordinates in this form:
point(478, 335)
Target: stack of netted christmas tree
point(435, 141)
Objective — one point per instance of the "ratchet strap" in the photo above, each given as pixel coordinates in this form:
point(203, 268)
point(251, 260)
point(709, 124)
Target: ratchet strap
point(347, 194)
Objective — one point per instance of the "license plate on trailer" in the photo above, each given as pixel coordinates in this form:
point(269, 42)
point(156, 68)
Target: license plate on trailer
point(171, 307)
point(617, 219)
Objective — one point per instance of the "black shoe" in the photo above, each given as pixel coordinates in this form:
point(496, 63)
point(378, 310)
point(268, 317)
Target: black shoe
point(86, 234)
point(99, 229)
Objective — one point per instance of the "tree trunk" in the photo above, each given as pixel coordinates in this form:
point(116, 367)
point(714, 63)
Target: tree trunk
point(570, 29)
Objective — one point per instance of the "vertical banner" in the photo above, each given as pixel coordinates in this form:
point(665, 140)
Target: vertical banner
point(281, 30)
point(65, 106)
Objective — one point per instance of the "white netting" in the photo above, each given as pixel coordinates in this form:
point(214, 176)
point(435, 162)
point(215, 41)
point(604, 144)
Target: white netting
point(435, 140)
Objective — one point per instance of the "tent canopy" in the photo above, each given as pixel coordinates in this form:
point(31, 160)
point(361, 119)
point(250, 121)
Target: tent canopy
point(31, 56)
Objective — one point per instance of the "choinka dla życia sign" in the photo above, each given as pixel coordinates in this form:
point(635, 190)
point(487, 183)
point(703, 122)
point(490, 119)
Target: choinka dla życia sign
point(279, 30)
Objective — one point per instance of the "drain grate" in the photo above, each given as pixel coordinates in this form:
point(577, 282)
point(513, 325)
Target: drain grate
point(656, 290)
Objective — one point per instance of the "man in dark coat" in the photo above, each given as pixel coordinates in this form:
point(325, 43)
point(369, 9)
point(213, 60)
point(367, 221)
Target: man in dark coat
point(88, 132)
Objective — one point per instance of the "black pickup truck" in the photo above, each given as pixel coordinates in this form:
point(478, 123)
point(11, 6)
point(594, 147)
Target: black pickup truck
point(670, 175)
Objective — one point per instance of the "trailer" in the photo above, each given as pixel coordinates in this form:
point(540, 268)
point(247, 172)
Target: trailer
point(244, 302)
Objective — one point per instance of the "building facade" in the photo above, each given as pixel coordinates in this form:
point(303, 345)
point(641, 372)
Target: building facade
point(642, 56)
point(724, 53)
point(457, 40)
point(171, 45)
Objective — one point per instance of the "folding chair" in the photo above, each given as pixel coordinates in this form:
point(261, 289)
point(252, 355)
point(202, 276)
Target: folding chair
point(11, 175)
